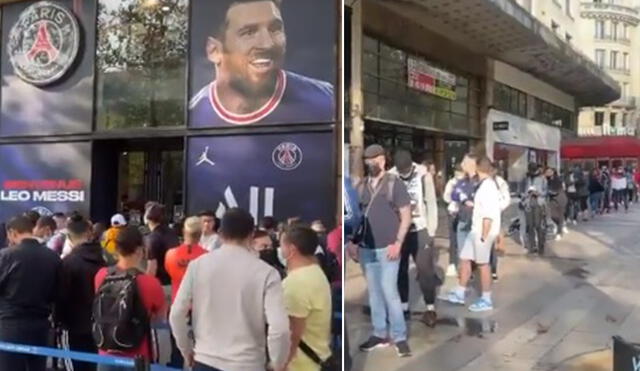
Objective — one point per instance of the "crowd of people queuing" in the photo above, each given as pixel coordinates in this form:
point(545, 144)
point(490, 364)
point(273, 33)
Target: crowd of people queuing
point(393, 217)
point(204, 294)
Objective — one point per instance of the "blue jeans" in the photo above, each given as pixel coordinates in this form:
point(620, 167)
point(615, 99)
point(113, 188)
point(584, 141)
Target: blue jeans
point(201, 367)
point(114, 368)
point(384, 299)
point(595, 199)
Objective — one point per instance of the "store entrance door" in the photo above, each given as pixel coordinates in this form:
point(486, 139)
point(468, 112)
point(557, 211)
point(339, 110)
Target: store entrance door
point(129, 173)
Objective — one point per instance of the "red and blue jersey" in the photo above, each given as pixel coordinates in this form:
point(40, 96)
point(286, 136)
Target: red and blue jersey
point(296, 99)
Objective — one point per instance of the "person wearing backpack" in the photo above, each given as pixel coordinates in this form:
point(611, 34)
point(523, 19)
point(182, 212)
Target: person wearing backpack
point(126, 333)
point(419, 242)
point(387, 218)
point(75, 299)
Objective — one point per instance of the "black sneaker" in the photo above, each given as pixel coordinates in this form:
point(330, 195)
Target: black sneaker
point(373, 343)
point(403, 349)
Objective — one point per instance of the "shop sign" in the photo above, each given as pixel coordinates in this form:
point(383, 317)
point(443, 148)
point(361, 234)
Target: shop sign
point(501, 125)
point(599, 131)
point(43, 43)
point(45, 177)
point(429, 79)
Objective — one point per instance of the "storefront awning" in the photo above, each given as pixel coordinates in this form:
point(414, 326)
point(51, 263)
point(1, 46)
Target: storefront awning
point(602, 147)
point(503, 30)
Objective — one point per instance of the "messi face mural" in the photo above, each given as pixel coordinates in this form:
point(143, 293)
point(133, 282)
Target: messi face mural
point(247, 50)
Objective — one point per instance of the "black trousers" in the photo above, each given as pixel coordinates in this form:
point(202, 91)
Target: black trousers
point(620, 196)
point(420, 246)
point(535, 215)
point(453, 239)
point(34, 333)
point(79, 342)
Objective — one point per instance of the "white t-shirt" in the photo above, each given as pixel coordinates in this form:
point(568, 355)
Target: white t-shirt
point(209, 242)
point(487, 206)
point(619, 183)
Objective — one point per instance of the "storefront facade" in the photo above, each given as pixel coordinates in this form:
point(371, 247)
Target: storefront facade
point(108, 104)
point(426, 77)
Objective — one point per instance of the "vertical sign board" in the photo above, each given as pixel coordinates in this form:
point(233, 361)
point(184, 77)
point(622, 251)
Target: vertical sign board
point(48, 178)
point(279, 175)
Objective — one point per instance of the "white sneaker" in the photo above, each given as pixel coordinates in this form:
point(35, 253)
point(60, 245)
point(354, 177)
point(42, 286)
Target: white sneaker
point(452, 271)
point(565, 230)
point(558, 237)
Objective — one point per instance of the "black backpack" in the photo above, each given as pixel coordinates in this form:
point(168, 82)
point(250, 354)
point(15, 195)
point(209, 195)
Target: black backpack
point(120, 320)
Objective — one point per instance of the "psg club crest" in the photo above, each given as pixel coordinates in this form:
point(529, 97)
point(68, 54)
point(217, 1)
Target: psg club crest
point(287, 156)
point(43, 211)
point(44, 42)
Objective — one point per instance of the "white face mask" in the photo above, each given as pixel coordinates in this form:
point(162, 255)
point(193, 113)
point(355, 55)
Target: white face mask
point(281, 257)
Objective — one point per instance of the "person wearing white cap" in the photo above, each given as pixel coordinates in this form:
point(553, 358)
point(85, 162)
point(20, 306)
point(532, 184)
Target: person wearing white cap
point(118, 222)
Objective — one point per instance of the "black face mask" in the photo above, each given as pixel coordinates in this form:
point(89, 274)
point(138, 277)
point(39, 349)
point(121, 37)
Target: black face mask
point(373, 169)
point(269, 256)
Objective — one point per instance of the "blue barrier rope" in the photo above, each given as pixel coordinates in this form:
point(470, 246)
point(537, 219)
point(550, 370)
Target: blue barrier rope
point(78, 356)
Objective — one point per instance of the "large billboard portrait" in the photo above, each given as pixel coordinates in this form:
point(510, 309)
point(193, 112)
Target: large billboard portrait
point(48, 178)
point(47, 67)
point(262, 62)
point(282, 175)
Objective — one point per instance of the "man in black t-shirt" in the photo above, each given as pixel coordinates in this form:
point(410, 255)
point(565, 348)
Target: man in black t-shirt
point(157, 243)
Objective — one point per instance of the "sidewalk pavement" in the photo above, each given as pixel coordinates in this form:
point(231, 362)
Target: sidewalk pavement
point(552, 313)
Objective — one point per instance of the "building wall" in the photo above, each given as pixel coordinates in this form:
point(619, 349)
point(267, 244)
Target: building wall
point(623, 12)
point(527, 83)
point(560, 12)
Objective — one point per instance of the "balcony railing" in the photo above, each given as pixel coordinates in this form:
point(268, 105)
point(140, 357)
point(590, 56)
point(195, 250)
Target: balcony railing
point(625, 10)
point(609, 39)
point(629, 102)
point(624, 71)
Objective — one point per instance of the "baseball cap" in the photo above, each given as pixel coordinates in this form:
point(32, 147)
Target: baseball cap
point(402, 160)
point(374, 150)
point(118, 220)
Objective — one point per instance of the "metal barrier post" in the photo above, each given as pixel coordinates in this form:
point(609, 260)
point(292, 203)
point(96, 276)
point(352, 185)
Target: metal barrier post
point(141, 364)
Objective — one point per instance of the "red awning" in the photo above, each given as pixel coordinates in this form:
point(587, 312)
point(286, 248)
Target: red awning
point(595, 147)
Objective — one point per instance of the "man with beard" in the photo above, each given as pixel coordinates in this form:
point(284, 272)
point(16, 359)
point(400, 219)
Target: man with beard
point(248, 50)
point(419, 242)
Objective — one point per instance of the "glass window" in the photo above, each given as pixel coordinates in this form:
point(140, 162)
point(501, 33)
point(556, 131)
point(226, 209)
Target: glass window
point(613, 61)
point(141, 63)
point(625, 61)
point(612, 119)
point(624, 119)
point(598, 118)
point(600, 57)
point(625, 31)
point(614, 30)
point(599, 29)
